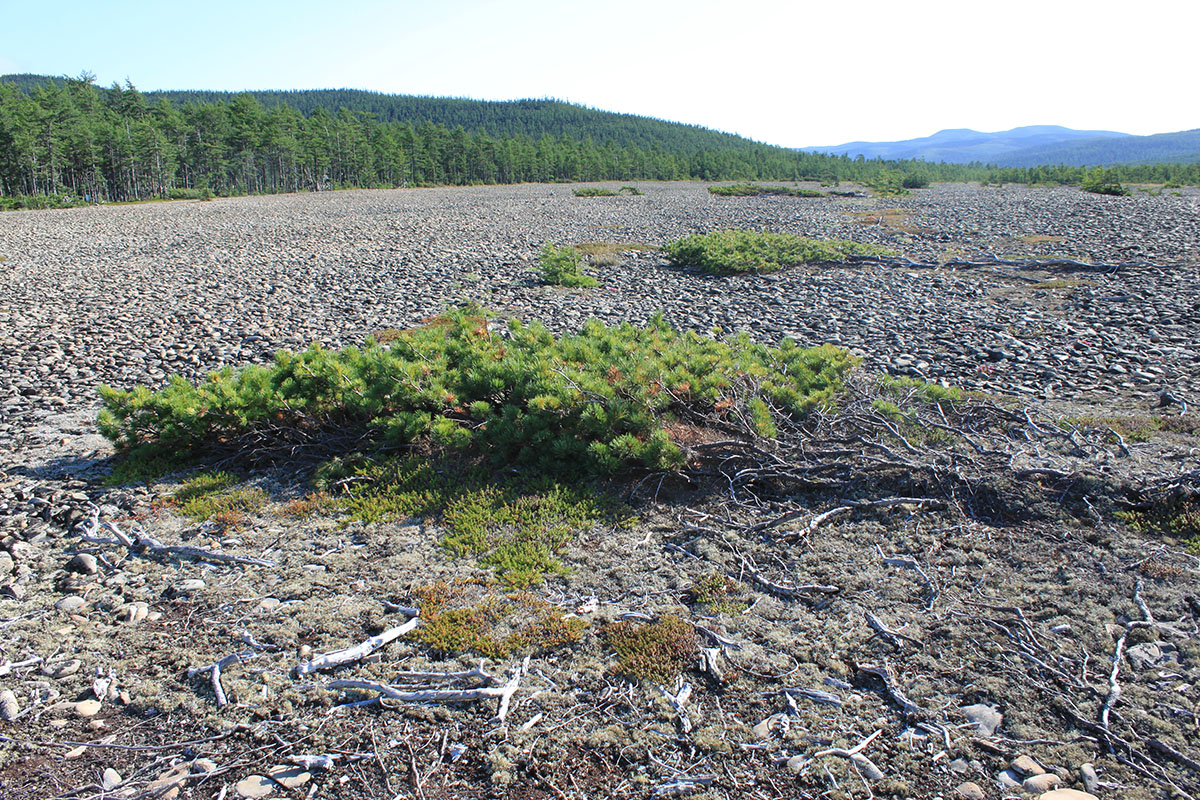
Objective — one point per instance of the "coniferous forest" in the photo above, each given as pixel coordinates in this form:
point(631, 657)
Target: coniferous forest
point(65, 141)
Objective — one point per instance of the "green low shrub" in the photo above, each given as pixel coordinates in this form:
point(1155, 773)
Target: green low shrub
point(593, 191)
point(730, 251)
point(757, 189)
point(600, 401)
point(1101, 181)
point(560, 267)
point(39, 201)
point(184, 193)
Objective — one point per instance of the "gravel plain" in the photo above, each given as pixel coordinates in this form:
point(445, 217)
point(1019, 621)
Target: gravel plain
point(109, 639)
point(128, 295)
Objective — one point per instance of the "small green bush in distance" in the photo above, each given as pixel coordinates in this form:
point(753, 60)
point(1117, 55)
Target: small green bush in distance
point(560, 267)
point(630, 190)
point(593, 191)
point(1101, 181)
point(731, 251)
point(36, 202)
point(599, 401)
point(183, 193)
point(757, 190)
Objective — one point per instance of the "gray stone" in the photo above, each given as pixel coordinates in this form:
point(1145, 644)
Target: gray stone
point(987, 719)
point(1035, 784)
point(1089, 778)
point(1025, 766)
point(971, 791)
point(1144, 655)
point(71, 603)
point(84, 564)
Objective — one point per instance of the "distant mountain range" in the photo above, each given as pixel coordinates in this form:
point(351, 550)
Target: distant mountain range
point(1032, 145)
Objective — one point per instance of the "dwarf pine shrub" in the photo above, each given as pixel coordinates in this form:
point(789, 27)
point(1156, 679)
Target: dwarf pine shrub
point(600, 400)
point(758, 190)
point(730, 251)
point(593, 191)
point(560, 267)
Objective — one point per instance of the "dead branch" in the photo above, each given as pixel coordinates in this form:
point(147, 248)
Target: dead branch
point(855, 756)
point(893, 637)
point(356, 653)
point(144, 543)
point(909, 563)
point(408, 694)
point(214, 672)
point(8, 666)
point(477, 674)
point(815, 695)
point(678, 702)
point(802, 592)
point(890, 689)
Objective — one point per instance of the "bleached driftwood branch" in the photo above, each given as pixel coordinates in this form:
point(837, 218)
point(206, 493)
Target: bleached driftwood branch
point(215, 669)
point(89, 532)
point(357, 652)
point(409, 694)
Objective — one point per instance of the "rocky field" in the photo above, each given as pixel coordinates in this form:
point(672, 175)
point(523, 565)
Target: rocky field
point(1050, 642)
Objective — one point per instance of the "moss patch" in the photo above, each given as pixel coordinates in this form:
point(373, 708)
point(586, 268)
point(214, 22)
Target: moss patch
point(516, 527)
point(210, 496)
point(468, 618)
point(656, 651)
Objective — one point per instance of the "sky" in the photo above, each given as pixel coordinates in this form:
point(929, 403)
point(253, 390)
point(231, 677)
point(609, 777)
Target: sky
point(795, 74)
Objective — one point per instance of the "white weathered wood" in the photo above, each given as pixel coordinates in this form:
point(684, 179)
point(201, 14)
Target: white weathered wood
point(357, 652)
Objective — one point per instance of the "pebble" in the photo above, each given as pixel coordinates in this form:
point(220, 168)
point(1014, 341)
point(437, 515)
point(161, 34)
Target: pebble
point(1025, 766)
point(268, 604)
point(9, 707)
point(133, 613)
point(255, 786)
point(110, 780)
point(1067, 794)
point(189, 586)
point(971, 791)
point(61, 669)
point(84, 564)
point(70, 603)
point(986, 718)
point(87, 708)
point(1041, 783)
point(1008, 779)
point(167, 785)
point(1089, 778)
point(766, 729)
point(289, 776)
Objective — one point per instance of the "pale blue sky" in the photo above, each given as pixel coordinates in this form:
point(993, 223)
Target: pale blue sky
point(789, 73)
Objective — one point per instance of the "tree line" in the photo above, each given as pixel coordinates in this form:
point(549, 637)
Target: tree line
point(67, 140)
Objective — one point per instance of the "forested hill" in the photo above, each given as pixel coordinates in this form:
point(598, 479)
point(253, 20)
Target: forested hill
point(532, 118)
point(1181, 147)
point(67, 138)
